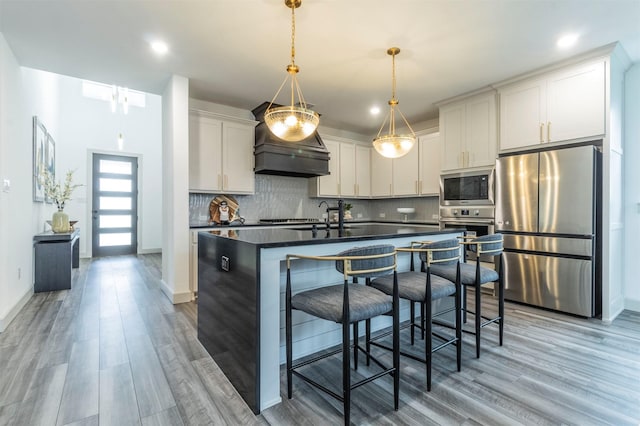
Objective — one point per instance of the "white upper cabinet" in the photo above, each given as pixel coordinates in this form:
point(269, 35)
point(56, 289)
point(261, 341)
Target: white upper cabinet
point(220, 155)
point(559, 106)
point(347, 184)
point(381, 175)
point(363, 171)
point(468, 129)
point(329, 185)
point(430, 153)
point(406, 172)
point(350, 171)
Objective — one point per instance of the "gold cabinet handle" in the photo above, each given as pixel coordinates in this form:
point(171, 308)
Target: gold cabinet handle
point(541, 126)
point(226, 182)
point(548, 131)
point(219, 181)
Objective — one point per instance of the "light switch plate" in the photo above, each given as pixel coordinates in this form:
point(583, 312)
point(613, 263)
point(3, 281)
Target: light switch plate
point(6, 185)
point(224, 264)
point(383, 215)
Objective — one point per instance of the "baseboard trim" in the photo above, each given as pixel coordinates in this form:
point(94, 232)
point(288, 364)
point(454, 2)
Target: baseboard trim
point(13, 312)
point(175, 298)
point(150, 251)
point(632, 304)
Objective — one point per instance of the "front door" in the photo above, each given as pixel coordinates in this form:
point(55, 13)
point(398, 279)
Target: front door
point(115, 205)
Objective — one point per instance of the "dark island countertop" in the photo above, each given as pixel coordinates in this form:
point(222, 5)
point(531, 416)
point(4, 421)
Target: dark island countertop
point(248, 224)
point(305, 234)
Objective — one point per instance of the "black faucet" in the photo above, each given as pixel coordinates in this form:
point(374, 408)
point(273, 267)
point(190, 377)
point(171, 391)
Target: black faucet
point(339, 208)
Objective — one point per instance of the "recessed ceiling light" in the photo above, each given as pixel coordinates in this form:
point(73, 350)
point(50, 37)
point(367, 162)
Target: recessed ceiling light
point(374, 110)
point(160, 47)
point(567, 41)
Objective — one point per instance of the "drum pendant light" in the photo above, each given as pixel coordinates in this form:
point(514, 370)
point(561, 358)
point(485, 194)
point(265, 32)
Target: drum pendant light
point(393, 145)
point(294, 122)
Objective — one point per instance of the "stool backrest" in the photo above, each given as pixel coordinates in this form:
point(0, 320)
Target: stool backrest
point(491, 244)
point(442, 252)
point(367, 262)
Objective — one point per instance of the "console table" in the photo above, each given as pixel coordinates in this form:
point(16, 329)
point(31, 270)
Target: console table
point(55, 256)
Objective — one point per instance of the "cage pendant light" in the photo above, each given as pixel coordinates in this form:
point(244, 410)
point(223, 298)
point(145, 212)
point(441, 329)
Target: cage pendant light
point(294, 122)
point(392, 145)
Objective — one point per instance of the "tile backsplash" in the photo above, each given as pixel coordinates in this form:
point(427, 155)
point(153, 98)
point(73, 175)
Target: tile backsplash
point(288, 197)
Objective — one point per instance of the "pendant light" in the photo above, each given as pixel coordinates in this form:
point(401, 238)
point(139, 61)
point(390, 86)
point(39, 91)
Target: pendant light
point(393, 145)
point(294, 122)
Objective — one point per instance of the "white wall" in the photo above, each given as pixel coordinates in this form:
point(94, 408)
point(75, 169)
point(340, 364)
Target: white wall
point(632, 187)
point(81, 126)
point(175, 173)
point(17, 212)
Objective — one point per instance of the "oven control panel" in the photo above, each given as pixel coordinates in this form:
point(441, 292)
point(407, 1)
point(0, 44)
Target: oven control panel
point(483, 212)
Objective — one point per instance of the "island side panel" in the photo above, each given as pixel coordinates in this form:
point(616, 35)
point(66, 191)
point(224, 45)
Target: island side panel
point(228, 313)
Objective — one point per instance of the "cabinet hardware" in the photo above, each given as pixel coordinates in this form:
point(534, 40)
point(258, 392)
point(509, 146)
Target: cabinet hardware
point(416, 187)
point(548, 131)
point(541, 126)
point(219, 180)
point(226, 182)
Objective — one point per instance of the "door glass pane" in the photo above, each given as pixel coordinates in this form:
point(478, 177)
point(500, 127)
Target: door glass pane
point(118, 167)
point(107, 240)
point(116, 185)
point(115, 203)
point(117, 221)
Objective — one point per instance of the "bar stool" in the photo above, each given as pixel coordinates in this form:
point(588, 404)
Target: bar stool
point(348, 303)
point(475, 276)
point(423, 288)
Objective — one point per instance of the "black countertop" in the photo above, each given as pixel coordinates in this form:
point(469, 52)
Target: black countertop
point(198, 225)
point(304, 235)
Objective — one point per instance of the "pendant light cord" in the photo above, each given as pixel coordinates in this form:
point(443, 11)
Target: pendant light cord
point(293, 35)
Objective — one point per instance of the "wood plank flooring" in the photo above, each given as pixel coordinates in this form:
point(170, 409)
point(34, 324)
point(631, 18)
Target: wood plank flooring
point(113, 350)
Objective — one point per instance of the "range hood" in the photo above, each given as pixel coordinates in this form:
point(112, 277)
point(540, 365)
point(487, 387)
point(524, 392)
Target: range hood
point(273, 156)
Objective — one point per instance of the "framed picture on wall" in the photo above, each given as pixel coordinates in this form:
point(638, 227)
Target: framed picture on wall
point(39, 158)
point(51, 161)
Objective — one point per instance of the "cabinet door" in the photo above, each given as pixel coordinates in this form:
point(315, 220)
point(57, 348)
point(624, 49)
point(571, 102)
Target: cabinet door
point(406, 172)
point(363, 171)
point(205, 147)
point(452, 131)
point(430, 148)
point(381, 175)
point(576, 103)
point(347, 170)
point(237, 158)
point(522, 114)
point(481, 139)
point(328, 185)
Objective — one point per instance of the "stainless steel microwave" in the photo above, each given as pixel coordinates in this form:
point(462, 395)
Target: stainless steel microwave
point(473, 188)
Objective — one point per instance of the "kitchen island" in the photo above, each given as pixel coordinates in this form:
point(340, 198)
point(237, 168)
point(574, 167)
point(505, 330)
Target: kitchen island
point(241, 281)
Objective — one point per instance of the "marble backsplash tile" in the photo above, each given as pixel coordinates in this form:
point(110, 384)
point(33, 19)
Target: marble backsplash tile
point(288, 197)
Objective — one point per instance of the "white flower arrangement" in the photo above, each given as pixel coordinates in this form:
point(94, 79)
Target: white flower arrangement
point(56, 191)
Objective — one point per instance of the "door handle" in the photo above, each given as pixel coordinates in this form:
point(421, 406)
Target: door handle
point(541, 126)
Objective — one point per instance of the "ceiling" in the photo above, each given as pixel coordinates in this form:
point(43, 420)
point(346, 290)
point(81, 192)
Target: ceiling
point(235, 52)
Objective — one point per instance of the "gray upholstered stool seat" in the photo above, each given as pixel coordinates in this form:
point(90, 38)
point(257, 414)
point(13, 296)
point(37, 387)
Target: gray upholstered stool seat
point(423, 288)
point(477, 275)
point(467, 273)
point(347, 304)
point(326, 302)
point(411, 286)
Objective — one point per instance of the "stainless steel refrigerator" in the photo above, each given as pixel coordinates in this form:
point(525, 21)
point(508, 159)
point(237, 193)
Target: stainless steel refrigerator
point(548, 209)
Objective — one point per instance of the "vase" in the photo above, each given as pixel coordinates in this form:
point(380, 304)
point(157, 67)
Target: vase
point(60, 222)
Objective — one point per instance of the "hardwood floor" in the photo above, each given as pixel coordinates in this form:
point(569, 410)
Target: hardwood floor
point(113, 350)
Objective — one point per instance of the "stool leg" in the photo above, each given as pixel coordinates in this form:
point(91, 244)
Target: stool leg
point(396, 350)
point(346, 373)
point(421, 321)
point(458, 312)
point(501, 298)
point(465, 296)
point(288, 333)
point(368, 340)
point(478, 321)
point(412, 310)
point(428, 348)
point(355, 345)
